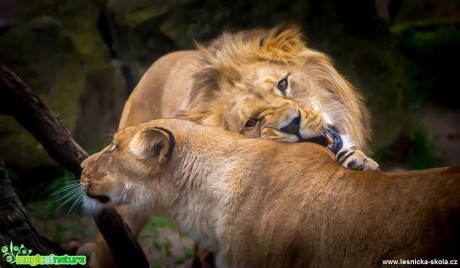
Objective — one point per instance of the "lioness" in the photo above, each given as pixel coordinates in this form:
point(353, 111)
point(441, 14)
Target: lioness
point(261, 203)
point(235, 82)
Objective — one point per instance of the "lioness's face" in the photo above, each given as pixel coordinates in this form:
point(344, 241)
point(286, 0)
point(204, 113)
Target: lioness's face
point(124, 170)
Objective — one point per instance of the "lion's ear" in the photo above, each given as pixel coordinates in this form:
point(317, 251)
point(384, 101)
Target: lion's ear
point(282, 42)
point(153, 142)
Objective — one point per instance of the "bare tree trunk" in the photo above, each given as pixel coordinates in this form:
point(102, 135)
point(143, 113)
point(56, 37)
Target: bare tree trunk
point(18, 100)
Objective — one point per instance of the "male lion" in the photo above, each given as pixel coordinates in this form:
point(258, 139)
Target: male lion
point(242, 78)
point(261, 203)
point(212, 85)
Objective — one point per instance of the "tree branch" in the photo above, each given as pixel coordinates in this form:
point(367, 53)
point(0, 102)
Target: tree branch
point(18, 100)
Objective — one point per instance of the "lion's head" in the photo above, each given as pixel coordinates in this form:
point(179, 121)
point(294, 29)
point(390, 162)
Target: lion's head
point(265, 65)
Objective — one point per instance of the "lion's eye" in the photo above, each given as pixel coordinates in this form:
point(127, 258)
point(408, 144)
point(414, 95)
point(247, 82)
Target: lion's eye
point(251, 123)
point(282, 85)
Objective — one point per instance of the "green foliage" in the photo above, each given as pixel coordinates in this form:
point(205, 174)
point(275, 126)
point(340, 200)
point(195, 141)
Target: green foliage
point(42, 184)
point(159, 222)
point(157, 264)
point(32, 185)
point(161, 243)
point(44, 209)
point(378, 155)
point(188, 253)
point(431, 51)
point(58, 233)
point(422, 156)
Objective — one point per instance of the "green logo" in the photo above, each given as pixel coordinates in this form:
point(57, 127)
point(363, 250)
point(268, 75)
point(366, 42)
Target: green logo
point(11, 253)
point(21, 256)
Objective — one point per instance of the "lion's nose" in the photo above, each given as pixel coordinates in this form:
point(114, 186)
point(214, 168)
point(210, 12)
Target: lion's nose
point(293, 127)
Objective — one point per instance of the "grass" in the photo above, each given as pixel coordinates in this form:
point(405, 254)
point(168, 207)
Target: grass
point(166, 246)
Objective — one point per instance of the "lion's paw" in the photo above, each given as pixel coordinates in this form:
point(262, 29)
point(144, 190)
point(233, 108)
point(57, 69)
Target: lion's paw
point(355, 159)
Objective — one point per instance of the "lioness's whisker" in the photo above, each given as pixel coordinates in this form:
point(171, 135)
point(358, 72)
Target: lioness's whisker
point(124, 197)
point(65, 188)
point(112, 133)
point(121, 195)
point(78, 200)
point(74, 194)
point(70, 192)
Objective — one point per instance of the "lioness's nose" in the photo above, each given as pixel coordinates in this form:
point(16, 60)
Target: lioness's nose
point(85, 162)
point(293, 127)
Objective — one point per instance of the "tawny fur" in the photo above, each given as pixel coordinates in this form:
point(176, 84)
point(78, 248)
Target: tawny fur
point(204, 86)
point(260, 203)
point(233, 80)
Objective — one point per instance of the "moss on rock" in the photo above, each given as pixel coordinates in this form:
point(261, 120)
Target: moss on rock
point(55, 50)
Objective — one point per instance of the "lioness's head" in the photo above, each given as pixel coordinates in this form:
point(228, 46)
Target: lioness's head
point(242, 73)
point(138, 166)
point(136, 155)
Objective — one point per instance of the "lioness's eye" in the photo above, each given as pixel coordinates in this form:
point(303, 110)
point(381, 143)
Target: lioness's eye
point(282, 85)
point(251, 123)
point(113, 147)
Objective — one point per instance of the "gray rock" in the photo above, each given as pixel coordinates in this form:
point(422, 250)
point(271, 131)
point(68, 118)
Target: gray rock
point(60, 54)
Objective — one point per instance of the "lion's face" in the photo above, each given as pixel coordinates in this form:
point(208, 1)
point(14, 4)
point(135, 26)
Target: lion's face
point(245, 74)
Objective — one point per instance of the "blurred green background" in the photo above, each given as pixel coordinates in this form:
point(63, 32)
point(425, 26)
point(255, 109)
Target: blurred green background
point(83, 57)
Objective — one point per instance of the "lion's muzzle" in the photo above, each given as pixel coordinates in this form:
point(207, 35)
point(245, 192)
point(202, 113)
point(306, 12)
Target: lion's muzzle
point(335, 142)
point(329, 139)
point(293, 127)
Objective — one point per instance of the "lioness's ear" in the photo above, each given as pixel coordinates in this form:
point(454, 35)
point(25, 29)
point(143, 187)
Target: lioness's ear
point(153, 142)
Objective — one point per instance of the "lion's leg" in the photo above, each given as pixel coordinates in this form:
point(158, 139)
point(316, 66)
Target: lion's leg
point(355, 159)
point(101, 256)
